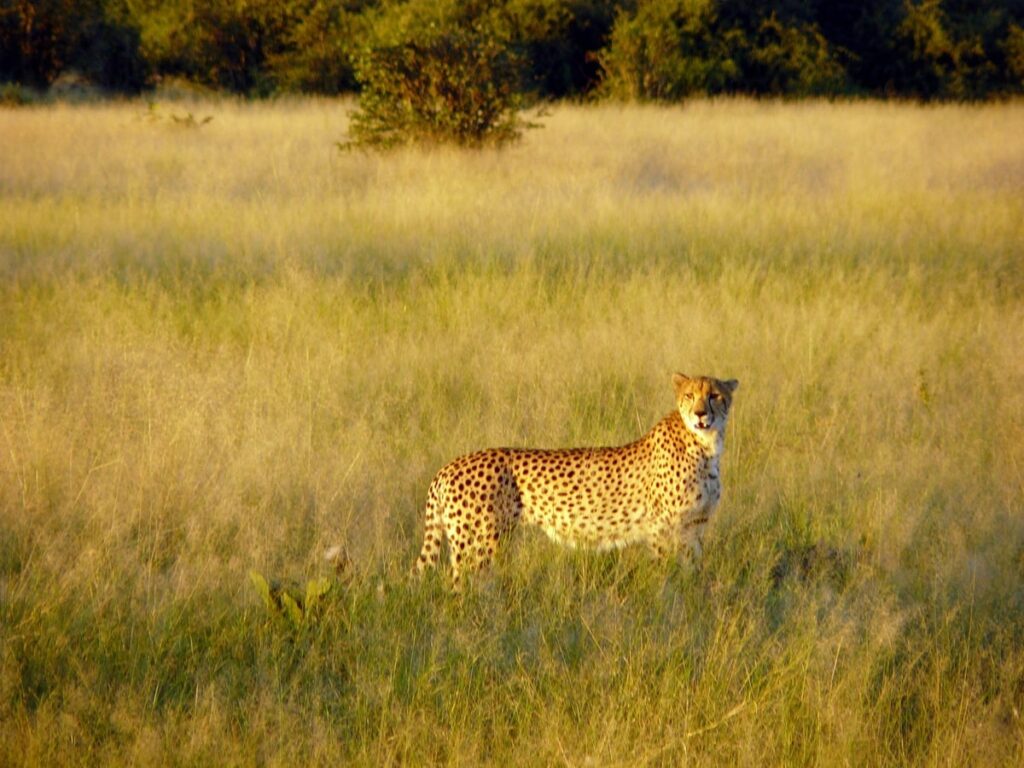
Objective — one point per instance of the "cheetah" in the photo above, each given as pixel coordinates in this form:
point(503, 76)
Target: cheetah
point(659, 491)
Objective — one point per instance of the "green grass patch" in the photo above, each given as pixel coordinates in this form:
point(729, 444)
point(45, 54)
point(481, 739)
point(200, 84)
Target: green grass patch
point(222, 351)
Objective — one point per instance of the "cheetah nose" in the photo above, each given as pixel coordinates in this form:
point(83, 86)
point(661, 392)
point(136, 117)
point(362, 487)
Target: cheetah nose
point(700, 414)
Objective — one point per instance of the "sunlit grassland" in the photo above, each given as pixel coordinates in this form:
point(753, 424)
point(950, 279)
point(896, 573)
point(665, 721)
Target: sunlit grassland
point(224, 348)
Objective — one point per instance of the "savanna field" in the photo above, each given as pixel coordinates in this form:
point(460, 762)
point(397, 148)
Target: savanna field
point(226, 346)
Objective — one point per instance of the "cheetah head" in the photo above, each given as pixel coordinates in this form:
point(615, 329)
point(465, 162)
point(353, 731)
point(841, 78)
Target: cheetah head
point(703, 402)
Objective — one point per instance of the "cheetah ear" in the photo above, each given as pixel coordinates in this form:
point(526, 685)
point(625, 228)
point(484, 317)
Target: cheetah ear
point(679, 381)
point(731, 385)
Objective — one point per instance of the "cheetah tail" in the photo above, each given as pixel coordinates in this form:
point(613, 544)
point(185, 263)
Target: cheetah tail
point(433, 532)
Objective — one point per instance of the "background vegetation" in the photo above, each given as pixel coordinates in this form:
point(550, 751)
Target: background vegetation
point(442, 72)
point(226, 345)
point(647, 49)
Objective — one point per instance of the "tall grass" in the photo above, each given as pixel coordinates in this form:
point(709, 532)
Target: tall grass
point(225, 347)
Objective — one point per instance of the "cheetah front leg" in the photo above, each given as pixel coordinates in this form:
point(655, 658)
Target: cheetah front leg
point(692, 543)
point(689, 551)
point(660, 547)
point(693, 553)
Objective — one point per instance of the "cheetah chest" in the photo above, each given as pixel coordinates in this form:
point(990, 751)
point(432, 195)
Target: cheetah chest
point(698, 491)
point(710, 489)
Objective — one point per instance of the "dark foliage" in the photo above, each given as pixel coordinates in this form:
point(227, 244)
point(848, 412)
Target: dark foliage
point(647, 49)
point(40, 39)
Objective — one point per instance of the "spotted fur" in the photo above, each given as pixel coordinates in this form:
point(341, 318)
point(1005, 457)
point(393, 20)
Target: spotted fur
point(659, 491)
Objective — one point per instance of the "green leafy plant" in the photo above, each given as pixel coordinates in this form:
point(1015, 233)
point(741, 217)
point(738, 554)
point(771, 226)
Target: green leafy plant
point(317, 53)
point(153, 114)
point(792, 60)
point(188, 120)
point(665, 51)
point(15, 95)
point(299, 607)
point(1013, 50)
point(446, 78)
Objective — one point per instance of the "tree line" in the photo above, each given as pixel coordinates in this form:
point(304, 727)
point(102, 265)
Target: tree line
point(635, 49)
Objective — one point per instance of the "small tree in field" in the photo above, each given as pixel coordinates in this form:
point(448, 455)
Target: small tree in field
point(666, 50)
point(454, 81)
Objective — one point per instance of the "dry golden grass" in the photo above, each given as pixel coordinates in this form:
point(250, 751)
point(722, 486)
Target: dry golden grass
point(225, 347)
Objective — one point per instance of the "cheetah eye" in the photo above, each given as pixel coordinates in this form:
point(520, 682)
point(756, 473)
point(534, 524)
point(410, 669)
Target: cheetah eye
point(688, 396)
point(713, 395)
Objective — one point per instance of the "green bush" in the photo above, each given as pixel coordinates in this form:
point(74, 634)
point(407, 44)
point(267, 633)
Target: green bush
point(319, 48)
point(667, 50)
point(636, 49)
point(219, 43)
point(15, 95)
point(235, 41)
point(437, 77)
point(947, 52)
point(1013, 51)
point(792, 60)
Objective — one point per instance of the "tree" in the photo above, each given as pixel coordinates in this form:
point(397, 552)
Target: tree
point(39, 39)
point(668, 49)
point(438, 74)
point(319, 49)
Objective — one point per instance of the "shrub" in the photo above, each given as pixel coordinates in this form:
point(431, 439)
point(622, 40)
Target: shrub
point(15, 95)
point(234, 41)
point(792, 60)
point(930, 60)
point(955, 52)
point(319, 48)
point(669, 50)
point(666, 50)
point(1013, 50)
point(453, 79)
point(218, 43)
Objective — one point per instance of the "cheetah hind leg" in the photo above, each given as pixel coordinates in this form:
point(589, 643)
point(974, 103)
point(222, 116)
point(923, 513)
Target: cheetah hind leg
point(468, 554)
point(471, 550)
point(433, 533)
point(462, 554)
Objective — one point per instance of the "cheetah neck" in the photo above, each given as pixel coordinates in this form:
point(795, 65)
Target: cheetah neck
point(715, 445)
point(709, 444)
